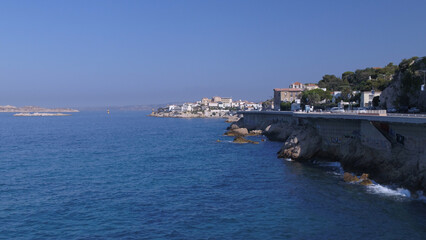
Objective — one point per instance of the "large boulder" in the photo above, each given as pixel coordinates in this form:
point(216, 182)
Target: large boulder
point(255, 132)
point(278, 131)
point(231, 119)
point(348, 177)
point(237, 132)
point(303, 144)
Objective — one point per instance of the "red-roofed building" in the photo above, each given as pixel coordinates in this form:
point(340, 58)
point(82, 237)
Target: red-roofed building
point(310, 86)
point(297, 85)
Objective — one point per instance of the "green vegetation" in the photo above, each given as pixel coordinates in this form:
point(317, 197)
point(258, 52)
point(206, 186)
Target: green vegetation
point(411, 79)
point(315, 96)
point(267, 104)
point(361, 80)
point(332, 83)
point(285, 106)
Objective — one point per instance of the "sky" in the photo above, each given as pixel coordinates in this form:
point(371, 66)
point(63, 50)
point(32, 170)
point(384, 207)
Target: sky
point(115, 53)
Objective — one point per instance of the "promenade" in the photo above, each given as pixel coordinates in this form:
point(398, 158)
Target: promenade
point(368, 116)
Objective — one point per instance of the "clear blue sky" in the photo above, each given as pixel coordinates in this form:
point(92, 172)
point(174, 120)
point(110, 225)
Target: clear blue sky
point(98, 53)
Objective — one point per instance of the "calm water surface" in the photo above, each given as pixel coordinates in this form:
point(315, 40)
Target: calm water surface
point(127, 176)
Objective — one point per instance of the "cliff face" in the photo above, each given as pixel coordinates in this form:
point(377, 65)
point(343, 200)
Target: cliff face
point(404, 90)
point(303, 143)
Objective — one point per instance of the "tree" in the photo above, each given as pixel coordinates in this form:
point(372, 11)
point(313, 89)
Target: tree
point(314, 96)
point(348, 76)
point(346, 94)
point(267, 104)
point(285, 106)
point(332, 83)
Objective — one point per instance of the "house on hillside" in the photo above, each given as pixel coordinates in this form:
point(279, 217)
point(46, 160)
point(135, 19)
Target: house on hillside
point(311, 86)
point(298, 85)
point(367, 98)
point(286, 95)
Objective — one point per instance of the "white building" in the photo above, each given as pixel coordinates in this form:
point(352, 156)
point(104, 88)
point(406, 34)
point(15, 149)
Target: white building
point(298, 85)
point(173, 108)
point(336, 94)
point(367, 98)
point(186, 107)
point(213, 104)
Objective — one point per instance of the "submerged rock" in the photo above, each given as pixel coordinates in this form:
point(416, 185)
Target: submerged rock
point(240, 139)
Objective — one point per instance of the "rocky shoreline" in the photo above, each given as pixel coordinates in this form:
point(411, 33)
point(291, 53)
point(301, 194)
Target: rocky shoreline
point(303, 143)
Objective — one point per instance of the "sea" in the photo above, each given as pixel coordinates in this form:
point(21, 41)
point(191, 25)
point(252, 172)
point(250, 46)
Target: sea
point(129, 176)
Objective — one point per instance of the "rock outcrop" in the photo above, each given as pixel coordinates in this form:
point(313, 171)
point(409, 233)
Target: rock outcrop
point(404, 90)
point(363, 180)
point(303, 144)
point(232, 119)
point(237, 132)
point(240, 139)
point(255, 132)
point(348, 177)
point(278, 131)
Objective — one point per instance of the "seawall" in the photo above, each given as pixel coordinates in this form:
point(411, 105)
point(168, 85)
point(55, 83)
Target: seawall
point(390, 148)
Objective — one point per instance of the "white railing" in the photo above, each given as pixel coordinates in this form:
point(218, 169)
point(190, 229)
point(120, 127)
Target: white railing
point(367, 112)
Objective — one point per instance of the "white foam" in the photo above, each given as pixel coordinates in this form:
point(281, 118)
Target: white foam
point(289, 159)
point(382, 190)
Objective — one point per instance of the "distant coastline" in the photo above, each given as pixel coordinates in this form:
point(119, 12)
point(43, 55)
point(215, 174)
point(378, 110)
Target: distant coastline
point(36, 114)
point(35, 109)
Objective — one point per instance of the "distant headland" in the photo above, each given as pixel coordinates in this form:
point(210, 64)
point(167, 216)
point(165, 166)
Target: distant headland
point(33, 109)
point(37, 114)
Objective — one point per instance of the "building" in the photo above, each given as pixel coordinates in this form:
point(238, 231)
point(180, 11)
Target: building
point(367, 98)
point(205, 101)
point(227, 102)
point(172, 108)
point(253, 106)
point(336, 94)
point(216, 99)
point(297, 85)
point(187, 107)
point(213, 104)
point(311, 86)
point(286, 95)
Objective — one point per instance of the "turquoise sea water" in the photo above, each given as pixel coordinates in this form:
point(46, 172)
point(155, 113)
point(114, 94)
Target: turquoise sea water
point(128, 176)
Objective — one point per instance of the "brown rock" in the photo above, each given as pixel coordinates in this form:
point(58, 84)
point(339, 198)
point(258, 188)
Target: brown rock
point(348, 177)
point(303, 144)
point(237, 132)
point(364, 176)
point(255, 132)
point(366, 182)
point(240, 139)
